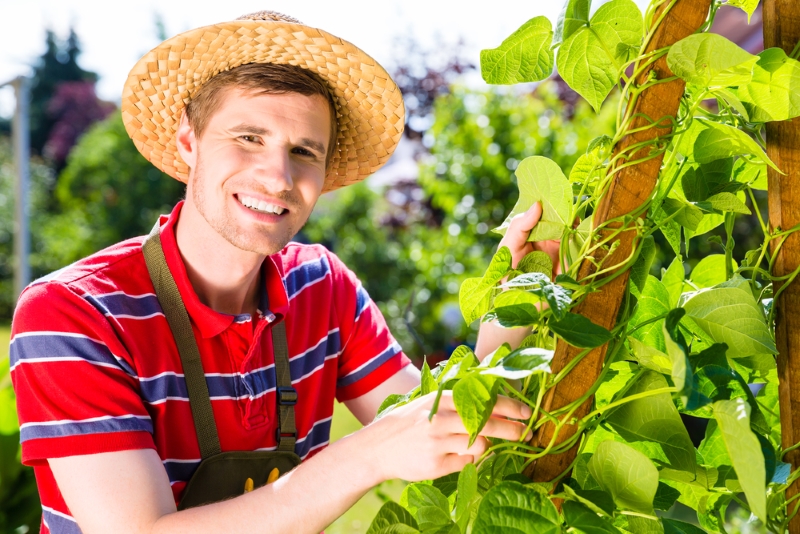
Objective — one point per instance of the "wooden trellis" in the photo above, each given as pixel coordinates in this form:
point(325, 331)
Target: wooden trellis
point(630, 188)
point(782, 29)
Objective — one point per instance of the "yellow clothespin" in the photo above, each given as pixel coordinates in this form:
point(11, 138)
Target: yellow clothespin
point(248, 485)
point(273, 476)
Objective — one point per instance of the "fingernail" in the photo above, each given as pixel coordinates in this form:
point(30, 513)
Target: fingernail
point(526, 411)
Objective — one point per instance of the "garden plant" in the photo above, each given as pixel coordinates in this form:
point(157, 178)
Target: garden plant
point(618, 358)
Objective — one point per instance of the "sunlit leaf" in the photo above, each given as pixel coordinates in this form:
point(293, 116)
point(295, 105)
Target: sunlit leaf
point(628, 475)
point(525, 56)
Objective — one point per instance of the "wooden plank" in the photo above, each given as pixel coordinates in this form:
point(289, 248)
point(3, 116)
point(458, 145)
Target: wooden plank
point(629, 190)
point(782, 29)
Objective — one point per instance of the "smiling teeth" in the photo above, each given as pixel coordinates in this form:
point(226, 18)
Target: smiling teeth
point(260, 205)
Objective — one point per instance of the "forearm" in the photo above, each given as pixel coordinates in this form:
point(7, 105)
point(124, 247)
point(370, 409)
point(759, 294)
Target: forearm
point(306, 500)
point(491, 335)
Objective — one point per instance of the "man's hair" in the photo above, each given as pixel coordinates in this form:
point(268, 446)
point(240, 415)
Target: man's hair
point(258, 79)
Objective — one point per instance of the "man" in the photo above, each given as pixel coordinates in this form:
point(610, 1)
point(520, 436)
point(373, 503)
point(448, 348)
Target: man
point(259, 116)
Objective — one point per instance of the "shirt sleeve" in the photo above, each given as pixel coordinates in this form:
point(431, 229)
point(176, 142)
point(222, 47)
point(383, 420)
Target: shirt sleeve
point(76, 387)
point(370, 355)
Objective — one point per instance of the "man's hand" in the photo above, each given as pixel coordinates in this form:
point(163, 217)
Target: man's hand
point(516, 238)
point(405, 444)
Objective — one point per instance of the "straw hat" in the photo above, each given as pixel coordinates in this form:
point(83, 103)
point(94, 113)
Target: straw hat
point(369, 106)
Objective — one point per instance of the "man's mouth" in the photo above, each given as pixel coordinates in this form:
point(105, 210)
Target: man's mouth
point(259, 205)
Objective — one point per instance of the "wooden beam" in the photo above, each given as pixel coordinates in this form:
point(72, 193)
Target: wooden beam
point(782, 29)
point(630, 188)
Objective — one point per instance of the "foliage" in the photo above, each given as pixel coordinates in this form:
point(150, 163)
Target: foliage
point(682, 346)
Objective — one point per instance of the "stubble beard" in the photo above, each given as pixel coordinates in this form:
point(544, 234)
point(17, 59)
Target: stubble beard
point(224, 223)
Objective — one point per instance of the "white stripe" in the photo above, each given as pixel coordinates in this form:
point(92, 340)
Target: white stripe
point(317, 368)
point(59, 514)
point(165, 399)
point(159, 375)
point(54, 333)
point(324, 338)
point(309, 284)
point(177, 461)
point(315, 447)
point(99, 295)
point(75, 359)
point(301, 265)
point(90, 420)
point(301, 440)
point(391, 346)
point(135, 317)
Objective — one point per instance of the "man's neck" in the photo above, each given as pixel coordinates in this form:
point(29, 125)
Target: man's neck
point(225, 278)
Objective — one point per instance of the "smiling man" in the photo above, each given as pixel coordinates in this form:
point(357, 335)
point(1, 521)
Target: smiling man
point(165, 383)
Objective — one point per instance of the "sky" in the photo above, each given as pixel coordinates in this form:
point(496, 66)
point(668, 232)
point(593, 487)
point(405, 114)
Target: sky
point(114, 35)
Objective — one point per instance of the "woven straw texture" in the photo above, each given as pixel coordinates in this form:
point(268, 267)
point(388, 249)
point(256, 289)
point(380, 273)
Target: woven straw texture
point(369, 105)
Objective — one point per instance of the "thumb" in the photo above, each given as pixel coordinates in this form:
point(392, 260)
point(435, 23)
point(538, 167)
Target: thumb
point(524, 222)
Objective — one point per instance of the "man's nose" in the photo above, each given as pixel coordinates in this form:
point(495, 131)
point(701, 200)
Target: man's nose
point(273, 168)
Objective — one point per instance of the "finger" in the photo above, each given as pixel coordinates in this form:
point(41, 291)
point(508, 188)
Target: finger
point(456, 462)
point(504, 429)
point(524, 222)
point(459, 444)
point(513, 409)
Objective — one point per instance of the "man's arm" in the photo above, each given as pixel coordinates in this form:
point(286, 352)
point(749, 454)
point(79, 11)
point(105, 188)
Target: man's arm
point(128, 492)
point(365, 407)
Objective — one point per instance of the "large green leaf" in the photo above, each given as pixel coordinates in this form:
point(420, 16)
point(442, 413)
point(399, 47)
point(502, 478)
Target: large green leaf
point(653, 302)
point(729, 314)
point(681, 371)
point(474, 398)
point(673, 526)
point(525, 56)
point(427, 381)
point(774, 92)
point(684, 213)
point(591, 59)
point(474, 297)
point(582, 519)
point(655, 419)
point(574, 15)
point(628, 475)
point(707, 59)
point(467, 493)
point(710, 271)
point(706, 141)
point(641, 268)
point(650, 357)
point(513, 508)
point(744, 450)
point(536, 262)
point(541, 180)
point(673, 278)
point(516, 307)
point(420, 495)
point(522, 363)
point(748, 6)
point(580, 331)
point(393, 519)
point(699, 182)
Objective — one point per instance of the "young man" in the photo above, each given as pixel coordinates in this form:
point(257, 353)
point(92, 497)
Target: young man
point(259, 116)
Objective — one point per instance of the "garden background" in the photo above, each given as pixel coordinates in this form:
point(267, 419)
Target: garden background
point(411, 233)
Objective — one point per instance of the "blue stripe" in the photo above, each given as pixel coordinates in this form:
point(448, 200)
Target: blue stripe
point(321, 433)
point(303, 365)
point(180, 471)
point(362, 301)
point(354, 377)
point(54, 345)
point(252, 384)
point(121, 304)
point(78, 428)
point(158, 389)
point(255, 383)
point(306, 274)
point(60, 525)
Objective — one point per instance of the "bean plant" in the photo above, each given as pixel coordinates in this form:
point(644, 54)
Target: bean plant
point(701, 345)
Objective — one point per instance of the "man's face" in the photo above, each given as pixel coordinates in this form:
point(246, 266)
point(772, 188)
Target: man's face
point(259, 167)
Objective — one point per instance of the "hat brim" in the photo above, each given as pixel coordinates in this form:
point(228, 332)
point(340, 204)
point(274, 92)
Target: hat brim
point(369, 105)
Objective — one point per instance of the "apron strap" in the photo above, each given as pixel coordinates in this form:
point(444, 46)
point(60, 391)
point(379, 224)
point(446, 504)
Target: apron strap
point(199, 399)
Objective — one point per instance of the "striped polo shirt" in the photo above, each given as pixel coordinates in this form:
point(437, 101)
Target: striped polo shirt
point(95, 367)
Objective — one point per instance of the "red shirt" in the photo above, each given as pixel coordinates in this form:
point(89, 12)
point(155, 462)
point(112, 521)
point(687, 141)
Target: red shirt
point(95, 367)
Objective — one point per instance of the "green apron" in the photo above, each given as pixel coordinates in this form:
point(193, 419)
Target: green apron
point(221, 475)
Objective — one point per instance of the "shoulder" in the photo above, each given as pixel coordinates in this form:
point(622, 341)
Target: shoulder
point(298, 260)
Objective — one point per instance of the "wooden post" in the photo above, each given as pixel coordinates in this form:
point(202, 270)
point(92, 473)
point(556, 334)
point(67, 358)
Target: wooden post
point(782, 29)
point(629, 190)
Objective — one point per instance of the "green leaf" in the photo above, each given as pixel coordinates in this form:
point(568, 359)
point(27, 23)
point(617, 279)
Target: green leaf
point(653, 302)
point(748, 6)
point(655, 419)
point(579, 331)
point(522, 363)
point(617, 378)
point(725, 202)
point(393, 519)
point(394, 401)
point(710, 271)
point(729, 314)
point(669, 228)
point(585, 520)
point(673, 278)
point(427, 382)
point(681, 371)
point(672, 526)
point(513, 507)
point(744, 450)
point(421, 495)
point(474, 297)
point(467, 493)
point(686, 214)
point(557, 297)
point(628, 475)
point(665, 497)
point(598, 501)
point(641, 268)
point(474, 398)
point(752, 174)
point(774, 92)
point(650, 357)
point(525, 56)
point(541, 180)
point(702, 181)
point(574, 15)
point(706, 59)
point(591, 59)
point(536, 262)
point(516, 307)
point(707, 141)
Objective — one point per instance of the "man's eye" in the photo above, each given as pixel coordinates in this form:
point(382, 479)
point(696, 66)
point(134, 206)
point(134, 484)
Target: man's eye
point(249, 138)
point(303, 152)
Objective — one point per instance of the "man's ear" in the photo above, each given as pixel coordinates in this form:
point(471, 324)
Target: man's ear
point(186, 142)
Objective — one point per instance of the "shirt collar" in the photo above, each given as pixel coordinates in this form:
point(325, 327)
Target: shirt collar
point(211, 322)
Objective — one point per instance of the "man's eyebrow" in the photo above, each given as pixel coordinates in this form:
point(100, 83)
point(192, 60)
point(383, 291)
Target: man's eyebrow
point(315, 145)
point(251, 129)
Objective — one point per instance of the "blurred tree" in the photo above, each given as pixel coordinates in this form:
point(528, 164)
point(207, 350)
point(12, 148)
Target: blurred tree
point(107, 193)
